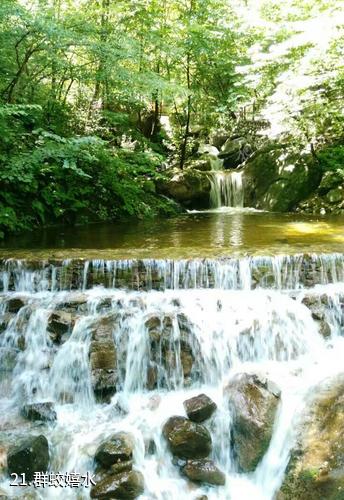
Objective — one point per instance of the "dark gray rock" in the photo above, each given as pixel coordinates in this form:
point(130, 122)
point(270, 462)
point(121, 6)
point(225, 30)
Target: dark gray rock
point(204, 471)
point(40, 411)
point(187, 439)
point(116, 448)
point(199, 408)
point(126, 485)
point(16, 303)
point(29, 455)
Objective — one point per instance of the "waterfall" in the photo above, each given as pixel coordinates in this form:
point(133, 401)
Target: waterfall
point(226, 189)
point(179, 328)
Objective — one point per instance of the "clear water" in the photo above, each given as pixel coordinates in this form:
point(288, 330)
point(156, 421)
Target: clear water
point(232, 231)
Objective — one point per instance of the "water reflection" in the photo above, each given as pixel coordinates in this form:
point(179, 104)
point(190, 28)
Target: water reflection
point(207, 234)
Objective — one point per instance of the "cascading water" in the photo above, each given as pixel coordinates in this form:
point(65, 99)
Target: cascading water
point(179, 328)
point(226, 189)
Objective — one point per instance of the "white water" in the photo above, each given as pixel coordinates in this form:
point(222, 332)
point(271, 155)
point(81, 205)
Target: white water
point(226, 189)
point(265, 331)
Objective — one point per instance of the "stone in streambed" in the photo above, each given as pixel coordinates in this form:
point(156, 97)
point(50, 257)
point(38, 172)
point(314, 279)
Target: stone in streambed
point(103, 359)
point(59, 323)
point(204, 471)
point(187, 439)
point(15, 303)
point(126, 485)
point(253, 401)
point(116, 448)
point(28, 456)
point(199, 408)
point(39, 411)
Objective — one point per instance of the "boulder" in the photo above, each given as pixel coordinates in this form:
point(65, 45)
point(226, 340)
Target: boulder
point(8, 358)
point(4, 321)
point(335, 195)
point(190, 187)
point(253, 402)
point(16, 303)
point(187, 439)
point(199, 408)
point(116, 448)
point(331, 180)
point(59, 323)
point(126, 485)
point(40, 411)
point(29, 455)
point(278, 177)
point(103, 359)
point(234, 152)
point(204, 471)
point(316, 466)
point(218, 138)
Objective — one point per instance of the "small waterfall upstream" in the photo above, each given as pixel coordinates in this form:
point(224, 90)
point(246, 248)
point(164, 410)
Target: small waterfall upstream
point(226, 189)
point(178, 329)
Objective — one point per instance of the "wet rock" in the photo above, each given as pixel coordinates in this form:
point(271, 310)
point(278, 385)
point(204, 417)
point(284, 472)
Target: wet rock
point(324, 329)
point(189, 187)
point(59, 323)
point(316, 466)
point(5, 320)
point(204, 471)
point(126, 485)
point(116, 448)
point(77, 302)
point(103, 359)
point(30, 455)
point(8, 358)
point(253, 403)
point(199, 408)
point(40, 411)
point(187, 439)
point(16, 303)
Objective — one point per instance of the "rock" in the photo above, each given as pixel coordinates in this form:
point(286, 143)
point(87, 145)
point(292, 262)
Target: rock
point(254, 407)
point(5, 320)
point(234, 152)
point(204, 471)
point(8, 358)
point(218, 138)
point(199, 408)
point(325, 329)
point(30, 455)
point(331, 180)
point(126, 485)
point(76, 302)
point(278, 177)
point(103, 359)
point(335, 195)
point(59, 323)
point(116, 448)
point(316, 466)
point(40, 411)
point(15, 303)
point(187, 439)
point(202, 164)
point(189, 187)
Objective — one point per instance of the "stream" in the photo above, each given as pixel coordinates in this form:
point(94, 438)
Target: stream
point(230, 283)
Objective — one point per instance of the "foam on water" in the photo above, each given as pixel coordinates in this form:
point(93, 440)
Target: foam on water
point(265, 331)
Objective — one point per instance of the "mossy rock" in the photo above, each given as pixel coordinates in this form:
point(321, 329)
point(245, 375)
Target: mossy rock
point(316, 467)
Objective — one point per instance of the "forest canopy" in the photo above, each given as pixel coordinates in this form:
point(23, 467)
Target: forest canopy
point(98, 97)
